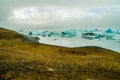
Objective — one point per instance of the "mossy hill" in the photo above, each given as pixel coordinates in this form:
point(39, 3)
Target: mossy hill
point(22, 58)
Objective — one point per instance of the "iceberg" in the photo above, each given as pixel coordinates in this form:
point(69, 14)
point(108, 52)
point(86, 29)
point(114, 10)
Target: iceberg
point(110, 31)
point(76, 38)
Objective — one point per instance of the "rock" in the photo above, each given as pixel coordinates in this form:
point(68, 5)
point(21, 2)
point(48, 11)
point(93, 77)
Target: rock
point(89, 79)
point(50, 69)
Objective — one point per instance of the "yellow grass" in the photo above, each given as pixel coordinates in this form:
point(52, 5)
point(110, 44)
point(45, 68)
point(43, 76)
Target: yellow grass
point(21, 60)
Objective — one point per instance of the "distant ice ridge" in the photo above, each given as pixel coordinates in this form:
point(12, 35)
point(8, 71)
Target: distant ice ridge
point(77, 38)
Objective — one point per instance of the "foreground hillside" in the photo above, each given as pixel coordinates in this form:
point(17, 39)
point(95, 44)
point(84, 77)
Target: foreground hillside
point(21, 59)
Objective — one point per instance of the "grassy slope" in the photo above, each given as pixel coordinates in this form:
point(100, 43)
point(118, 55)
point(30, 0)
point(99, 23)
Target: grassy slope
point(21, 60)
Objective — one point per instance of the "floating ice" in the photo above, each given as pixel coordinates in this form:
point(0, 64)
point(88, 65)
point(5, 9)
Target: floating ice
point(77, 38)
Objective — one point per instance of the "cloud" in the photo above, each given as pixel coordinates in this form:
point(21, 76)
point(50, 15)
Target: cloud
point(53, 13)
point(46, 14)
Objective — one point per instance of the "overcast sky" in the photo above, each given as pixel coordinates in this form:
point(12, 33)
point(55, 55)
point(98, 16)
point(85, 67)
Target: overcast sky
point(60, 13)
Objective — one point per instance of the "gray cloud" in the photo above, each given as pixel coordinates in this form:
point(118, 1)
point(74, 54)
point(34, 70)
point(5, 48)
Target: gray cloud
point(55, 13)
